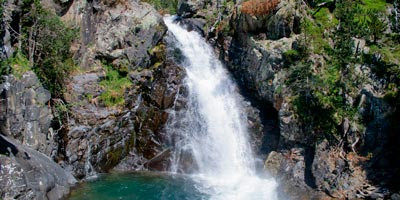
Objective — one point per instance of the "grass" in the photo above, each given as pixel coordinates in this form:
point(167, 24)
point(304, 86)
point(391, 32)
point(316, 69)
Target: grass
point(325, 19)
point(379, 5)
point(17, 65)
point(164, 6)
point(114, 88)
point(315, 34)
point(390, 54)
point(291, 56)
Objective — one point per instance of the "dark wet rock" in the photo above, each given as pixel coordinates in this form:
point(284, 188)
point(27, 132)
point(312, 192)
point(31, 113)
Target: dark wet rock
point(28, 174)
point(395, 196)
point(159, 162)
point(194, 24)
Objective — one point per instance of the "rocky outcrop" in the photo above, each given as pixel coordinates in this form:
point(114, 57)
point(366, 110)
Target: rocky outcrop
point(188, 8)
point(28, 174)
point(25, 112)
point(100, 137)
point(292, 170)
point(120, 32)
point(128, 36)
point(282, 22)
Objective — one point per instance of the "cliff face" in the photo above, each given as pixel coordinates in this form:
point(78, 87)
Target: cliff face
point(128, 36)
point(95, 126)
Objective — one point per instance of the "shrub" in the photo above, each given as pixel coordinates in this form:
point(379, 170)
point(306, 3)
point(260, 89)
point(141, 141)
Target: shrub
point(18, 64)
point(114, 87)
point(376, 24)
point(259, 7)
point(164, 6)
point(291, 56)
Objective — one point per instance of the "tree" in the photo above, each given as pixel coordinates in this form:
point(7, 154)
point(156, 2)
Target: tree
point(46, 43)
point(377, 24)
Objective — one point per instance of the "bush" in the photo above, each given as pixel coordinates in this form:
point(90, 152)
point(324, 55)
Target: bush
point(114, 87)
point(291, 56)
point(18, 64)
point(259, 7)
point(376, 24)
point(164, 6)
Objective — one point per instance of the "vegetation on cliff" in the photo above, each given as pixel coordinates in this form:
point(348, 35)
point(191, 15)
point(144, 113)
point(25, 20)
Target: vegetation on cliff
point(114, 87)
point(335, 32)
point(164, 6)
point(43, 45)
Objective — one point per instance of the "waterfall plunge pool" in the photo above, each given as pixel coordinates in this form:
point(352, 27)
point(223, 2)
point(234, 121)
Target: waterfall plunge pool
point(138, 186)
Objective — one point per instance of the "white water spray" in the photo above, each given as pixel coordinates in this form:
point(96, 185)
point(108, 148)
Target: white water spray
point(212, 130)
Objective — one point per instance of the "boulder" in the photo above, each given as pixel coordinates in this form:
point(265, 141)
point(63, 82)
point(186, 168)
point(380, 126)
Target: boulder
point(187, 8)
point(28, 174)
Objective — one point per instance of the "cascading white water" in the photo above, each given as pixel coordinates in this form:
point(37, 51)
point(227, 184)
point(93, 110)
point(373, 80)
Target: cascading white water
point(212, 129)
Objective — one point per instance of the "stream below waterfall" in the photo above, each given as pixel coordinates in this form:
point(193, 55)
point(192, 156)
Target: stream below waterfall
point(211, 130)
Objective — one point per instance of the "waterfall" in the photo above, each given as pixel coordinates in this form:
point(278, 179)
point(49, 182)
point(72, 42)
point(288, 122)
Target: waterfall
point(210, 134)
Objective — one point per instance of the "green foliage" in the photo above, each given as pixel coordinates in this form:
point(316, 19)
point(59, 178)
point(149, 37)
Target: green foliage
point(114, 87)
point(168, 6)
point(325, 19)
point(376, 24)
point(378, 5)
point(1, 9)
point(18, 64)
point(314, 33)
point(46, 42)
point(291, 56)
point(321, 103)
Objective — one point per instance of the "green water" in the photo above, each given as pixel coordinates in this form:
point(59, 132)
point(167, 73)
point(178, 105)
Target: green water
point(138, 186)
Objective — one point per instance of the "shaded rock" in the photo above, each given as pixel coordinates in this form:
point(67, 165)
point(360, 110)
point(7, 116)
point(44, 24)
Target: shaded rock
point(290, 169)
point(160, 161)
point(187, 8)
point(28, 174)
